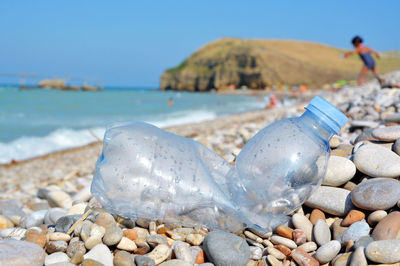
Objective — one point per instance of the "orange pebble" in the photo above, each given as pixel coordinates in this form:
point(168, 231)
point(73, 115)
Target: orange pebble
point(284, 249)
point(200, 257)
point(162, 230)
point(131, 234)
point(352, 217)
point(37, 238)
point(316, 215)
point(285, 231)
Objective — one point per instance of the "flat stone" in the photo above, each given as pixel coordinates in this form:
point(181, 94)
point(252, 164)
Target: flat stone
point(57, 257)
point(387, 133)
point(352, 217)
point(100, 253)
point(105, 219)
point(309, 247)
point(21, 253)
point(316, 215)
point(59, 198)
point(141, 232)
point(130, 233)
point(224, 249)
point(175, 263)
point(364, 123)
point(377, 161)
point(376, 194)
point(328, 251)
point(388, 227)
point(112, 236)
point(322, 233)
point(144, 261)
point(384, 251)
point(393, 118)
point(355, 232)
point(301, 222)
point(283, 241)
point(363, 241)
point(126, 244)
point(159, 254)
point(156, 239)
point(195, 239)
point(332, 200)
point(358, 257)
point(77, 209)
point(75, 247)
point(59, 236)
point(339, 171)
point(37, 238)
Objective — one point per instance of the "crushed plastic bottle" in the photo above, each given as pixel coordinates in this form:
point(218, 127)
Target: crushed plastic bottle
point(146, 172)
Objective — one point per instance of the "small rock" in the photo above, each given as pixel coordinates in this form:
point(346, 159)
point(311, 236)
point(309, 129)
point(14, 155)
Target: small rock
point(77, 209)
point(195, 239)
point(156, 239)
point(130, 233)
point(376, 194)
point(13, 233)
point(301, 222)
point(56, 246)
point(141, 233)
point(123, 258)
point(283, 241)
point(183, 252)
point(309, 247)
point(53, 215)
point(272, 261)
point(316, 215)
point(21, 253)
point(37, 238)
point(285, 231)
point(342, 259)
point(328, 251)
point(59, 198)
point(126, 244)
point(358, 258)
point(59, 236)
point(255, 253)
point(112, 236)
point(75, 247)
point(388, 227)
point(33, 219)
point(387, 133)
point(337, 228)
point(363, 241)
point(223, 248)
point(352, 217)
point(92, 241)
point(64, 223)
point(276, 253)
point(144, 261)
point(144, 223)
point(303, 258)
point(322, 233)
point(384, 251)
point(339, 171)
point(100, 253)
point(56, 257)
point(377, 161)
point(299, 237)
point(332, 200)
point(284, 249)
point(159, 254)
point(355, 232)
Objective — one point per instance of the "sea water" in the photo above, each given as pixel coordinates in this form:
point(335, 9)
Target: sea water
point(40, 121)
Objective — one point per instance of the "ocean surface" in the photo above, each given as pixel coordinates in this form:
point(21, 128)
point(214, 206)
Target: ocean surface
point(37, 122)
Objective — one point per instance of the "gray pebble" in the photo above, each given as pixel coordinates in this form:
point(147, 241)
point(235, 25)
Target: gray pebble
point(322, 233)
point(355, 232)
point(21, 253)
point(332, 200)
point(144, 261)
point(33, 219)
point(384, 251)
point(64, 223)
point(328, 251)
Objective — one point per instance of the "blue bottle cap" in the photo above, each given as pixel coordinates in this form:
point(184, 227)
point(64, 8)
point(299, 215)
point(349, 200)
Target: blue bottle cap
point(327, 112)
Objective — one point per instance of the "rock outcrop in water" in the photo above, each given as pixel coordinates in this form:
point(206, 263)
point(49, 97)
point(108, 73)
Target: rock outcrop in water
point(261, 63)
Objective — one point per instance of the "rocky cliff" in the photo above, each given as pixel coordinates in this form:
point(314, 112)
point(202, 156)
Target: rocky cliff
point(258, 64)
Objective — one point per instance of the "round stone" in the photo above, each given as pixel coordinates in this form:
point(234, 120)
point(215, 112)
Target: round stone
point(144, 261)
point(322, 233)
point(301, 222)
point(387, 133)
point(123, 258)
point(20, 253)
point(328, 251)
point(223, 248)
point(100, 253)
point(57, 257)
point(376, 194)
point(126, 244)
point(316, 215)
point(64, 223)
point(377, 161)
point(53, 215)
point(113, 235)
point(384, 251)
point(309, 247)
point(59, 236)
point(59, 198)
point(332, 200)
point(339, 171)
point(33, 219)
point(278, 240)
point(75, 247)
point(352, 217)
point(358, 257)
point(388, 227)
point(183, 252)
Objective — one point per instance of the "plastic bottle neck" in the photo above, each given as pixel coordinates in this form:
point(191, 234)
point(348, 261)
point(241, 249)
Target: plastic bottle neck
point(317, 124)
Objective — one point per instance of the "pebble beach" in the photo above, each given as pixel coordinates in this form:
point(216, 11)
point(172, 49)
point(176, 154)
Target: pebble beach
point(49, 217)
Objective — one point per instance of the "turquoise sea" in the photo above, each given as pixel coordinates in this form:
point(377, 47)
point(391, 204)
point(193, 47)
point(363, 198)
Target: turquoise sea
point(37, 122)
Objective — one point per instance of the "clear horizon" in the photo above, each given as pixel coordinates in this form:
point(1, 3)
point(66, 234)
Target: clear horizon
point(130, 44)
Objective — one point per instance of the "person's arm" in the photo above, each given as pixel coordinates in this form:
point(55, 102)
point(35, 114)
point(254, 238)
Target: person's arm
point(346, 55)
point(374, 52)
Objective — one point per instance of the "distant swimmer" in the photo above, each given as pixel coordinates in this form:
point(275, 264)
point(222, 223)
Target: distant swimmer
point(170, 102)
point(365, 54)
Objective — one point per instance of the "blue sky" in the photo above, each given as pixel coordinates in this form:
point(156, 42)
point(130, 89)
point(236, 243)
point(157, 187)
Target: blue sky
point(130, 43)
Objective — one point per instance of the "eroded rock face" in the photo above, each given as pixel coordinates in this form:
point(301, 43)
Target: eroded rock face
point(252, 63)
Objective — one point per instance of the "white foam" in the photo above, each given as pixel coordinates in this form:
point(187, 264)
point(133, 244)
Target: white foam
point(64, 138)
